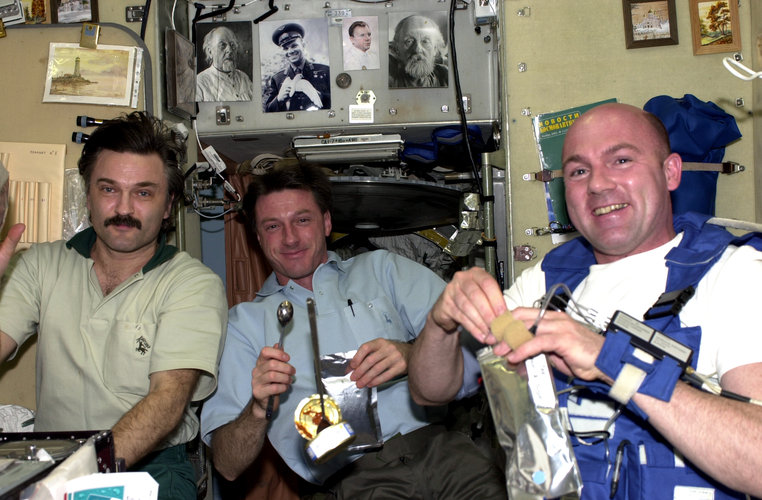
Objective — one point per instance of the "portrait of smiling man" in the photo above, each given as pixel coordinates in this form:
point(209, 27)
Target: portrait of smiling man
point(301, 84)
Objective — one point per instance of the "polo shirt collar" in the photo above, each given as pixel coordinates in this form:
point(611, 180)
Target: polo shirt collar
point(84, 240)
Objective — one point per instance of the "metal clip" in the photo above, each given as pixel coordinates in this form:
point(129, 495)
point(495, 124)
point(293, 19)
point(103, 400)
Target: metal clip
point(543, 175)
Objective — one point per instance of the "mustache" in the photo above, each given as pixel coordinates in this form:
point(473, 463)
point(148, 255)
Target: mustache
point(123, 220)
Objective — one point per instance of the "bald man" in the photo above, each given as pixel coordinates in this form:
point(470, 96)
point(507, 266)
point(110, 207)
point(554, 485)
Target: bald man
point(638, 429)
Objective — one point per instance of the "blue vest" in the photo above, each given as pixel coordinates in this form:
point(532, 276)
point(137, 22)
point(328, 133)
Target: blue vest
point(700, 248)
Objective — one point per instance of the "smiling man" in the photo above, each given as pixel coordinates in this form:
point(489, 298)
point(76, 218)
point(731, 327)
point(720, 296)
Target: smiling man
point(301, 85)
point(638, 429)
point(375, 304)
point(129, 328)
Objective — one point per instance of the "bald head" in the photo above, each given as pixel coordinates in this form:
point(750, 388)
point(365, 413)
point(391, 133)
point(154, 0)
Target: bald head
point(652, 130)
point(618, 173)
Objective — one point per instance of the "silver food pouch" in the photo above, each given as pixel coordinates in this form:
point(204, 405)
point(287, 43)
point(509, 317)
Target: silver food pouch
point(359, 407)
point(539, 457)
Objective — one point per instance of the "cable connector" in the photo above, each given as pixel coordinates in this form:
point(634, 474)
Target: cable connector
point(214, 159)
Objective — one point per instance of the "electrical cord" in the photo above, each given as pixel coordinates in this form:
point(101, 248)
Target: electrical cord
point(459, 97)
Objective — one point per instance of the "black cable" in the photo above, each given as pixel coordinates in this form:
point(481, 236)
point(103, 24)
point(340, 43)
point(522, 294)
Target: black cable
point(459, 97)
point(144, 23)
point(198, 17)
point(273, 10)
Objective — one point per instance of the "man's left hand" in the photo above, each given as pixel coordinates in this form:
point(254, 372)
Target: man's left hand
point(379, 361)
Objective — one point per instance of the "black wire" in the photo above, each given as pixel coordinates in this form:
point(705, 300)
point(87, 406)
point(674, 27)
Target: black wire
point(144, 23)
point(273, 10)
point(459, 97)
point(199, 17)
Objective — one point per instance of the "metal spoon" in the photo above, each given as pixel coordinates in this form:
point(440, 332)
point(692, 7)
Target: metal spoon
point(285, 313)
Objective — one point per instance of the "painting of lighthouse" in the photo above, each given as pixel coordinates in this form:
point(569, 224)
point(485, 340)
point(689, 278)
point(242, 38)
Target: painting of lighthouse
point(97, 76)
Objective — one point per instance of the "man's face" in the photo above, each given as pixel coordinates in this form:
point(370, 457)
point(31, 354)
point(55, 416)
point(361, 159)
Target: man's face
point(294, 51)
point(361, 38)
point(291, 230)
point(225, 51)
point(419, 47)
point(617, 182)
point(128, 198)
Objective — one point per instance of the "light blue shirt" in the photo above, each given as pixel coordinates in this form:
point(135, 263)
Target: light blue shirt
point(391, 297)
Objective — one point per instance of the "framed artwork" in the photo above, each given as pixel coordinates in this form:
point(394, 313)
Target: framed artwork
point(36, 11)
point(74, 11)
point(95, 76)
point(649, 23)
point(714, 26)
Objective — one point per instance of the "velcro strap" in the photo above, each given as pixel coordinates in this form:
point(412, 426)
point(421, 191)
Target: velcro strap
point(661, 375)
point(627, 383)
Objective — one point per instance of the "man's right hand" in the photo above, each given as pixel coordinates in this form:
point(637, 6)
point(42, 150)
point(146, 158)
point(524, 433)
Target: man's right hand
point(286, 89)
point(271, 376)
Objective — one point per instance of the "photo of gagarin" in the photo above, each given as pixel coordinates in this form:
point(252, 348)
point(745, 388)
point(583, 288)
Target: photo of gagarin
point(223, 51)
point(360, 42)
point(418, 53)
point(295, 72)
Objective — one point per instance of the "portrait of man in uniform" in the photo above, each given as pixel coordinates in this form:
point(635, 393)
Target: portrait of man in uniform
point(418, 54)
point(299, 80)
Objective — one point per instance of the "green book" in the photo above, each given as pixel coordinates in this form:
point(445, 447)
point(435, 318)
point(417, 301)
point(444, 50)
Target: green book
point(549, 133)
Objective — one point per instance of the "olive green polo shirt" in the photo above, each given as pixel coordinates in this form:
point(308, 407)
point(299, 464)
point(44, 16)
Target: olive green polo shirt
point(94, 353)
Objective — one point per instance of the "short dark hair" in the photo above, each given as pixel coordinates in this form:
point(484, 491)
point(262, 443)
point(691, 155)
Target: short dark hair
point(288, 176)
point(356, 24)
point(143, 134)
point(663, 146)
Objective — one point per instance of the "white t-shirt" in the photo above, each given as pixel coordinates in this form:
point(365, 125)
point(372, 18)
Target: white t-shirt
point(724, 304)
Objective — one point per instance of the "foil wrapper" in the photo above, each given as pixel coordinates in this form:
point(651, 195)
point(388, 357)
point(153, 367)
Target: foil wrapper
point(359, 407)
point(540, 461)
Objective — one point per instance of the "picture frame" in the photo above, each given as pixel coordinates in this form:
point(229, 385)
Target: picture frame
point(105, 75)
point(649, 23)
point(73, 11)
point(715, 26)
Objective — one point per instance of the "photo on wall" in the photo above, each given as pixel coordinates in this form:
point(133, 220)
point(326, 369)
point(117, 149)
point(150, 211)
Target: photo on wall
point(360, 43)
point(224, 62)
point(418, 50)
point(295, 71)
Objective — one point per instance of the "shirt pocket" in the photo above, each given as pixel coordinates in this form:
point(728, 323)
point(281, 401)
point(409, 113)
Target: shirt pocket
point(128, 357)
point(374, 319)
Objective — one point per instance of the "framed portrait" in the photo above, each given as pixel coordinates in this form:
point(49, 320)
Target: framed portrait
point(360, 43)
point(224, 62)
point(36, 11)
point(418, 51)
point(73, 11)
point(714, 26)
point(295, 65)
point(649, 23)
point(105, 75)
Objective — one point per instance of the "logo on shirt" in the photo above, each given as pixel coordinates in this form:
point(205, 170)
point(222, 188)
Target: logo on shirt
point(142, 346)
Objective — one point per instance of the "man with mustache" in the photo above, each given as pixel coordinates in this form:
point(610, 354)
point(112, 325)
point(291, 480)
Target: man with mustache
point(638, 429)
point(129, 328)
point(222, 80)
point(416, 54)
point(301, 85)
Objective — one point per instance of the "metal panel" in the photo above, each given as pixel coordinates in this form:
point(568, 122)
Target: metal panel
point(411, 112)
